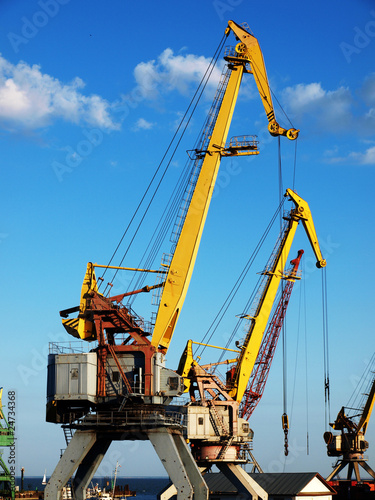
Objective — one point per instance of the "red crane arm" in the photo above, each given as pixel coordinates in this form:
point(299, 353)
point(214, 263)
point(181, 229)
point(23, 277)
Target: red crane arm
point(259, 375)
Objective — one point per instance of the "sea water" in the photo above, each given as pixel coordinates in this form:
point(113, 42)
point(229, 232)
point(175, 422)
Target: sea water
point(146, 488)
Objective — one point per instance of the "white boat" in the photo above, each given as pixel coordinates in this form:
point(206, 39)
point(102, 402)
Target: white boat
point(44, 480)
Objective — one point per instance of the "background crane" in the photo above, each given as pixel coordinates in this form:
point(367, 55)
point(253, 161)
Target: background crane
point(350, 444)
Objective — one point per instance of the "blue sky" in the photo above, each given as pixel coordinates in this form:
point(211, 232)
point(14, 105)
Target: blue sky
point(90, 95)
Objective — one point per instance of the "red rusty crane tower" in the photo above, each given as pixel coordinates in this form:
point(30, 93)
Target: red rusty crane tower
point(258, 379)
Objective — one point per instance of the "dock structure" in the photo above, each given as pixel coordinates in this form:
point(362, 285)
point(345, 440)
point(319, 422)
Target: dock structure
point(92, 436)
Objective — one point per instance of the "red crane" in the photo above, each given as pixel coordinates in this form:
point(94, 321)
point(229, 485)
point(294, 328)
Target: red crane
point(258, 379)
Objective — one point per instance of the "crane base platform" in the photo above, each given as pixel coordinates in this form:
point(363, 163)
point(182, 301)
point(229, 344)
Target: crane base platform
point(95, 433)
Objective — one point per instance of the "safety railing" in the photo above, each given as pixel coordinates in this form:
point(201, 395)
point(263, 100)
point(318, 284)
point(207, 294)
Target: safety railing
point(129, 418)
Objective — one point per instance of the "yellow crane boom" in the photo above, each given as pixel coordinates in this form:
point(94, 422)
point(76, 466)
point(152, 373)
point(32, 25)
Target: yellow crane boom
point(248, 47)
point(181, 267)
point(247, 54)
point(251, 345)
point(366, 414)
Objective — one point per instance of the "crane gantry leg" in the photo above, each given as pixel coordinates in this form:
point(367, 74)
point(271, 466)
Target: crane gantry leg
point(75, 453)
point(241, 480)
point(89, 465)
point(88, 446)
point(179, 463)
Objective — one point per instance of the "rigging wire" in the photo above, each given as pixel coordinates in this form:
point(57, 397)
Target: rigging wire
point(227, 302)
point(272, 93)
point(360, 393)
point(302, 326)
point(294, 165)
point(172, 207)
point(159, 234)
point(282, 109)
point(181, 200)
point(306, 368)
point(326, 350)
point(284, 418)
point(186, 117)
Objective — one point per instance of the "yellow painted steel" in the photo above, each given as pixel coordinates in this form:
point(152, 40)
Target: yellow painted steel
point(249, 48)
point(1, 404)
point(254, 336)
point(366, 414)
point(181, 268)
point(137, 269)
point(216, 347)
point(82, 327)
point(187, 360)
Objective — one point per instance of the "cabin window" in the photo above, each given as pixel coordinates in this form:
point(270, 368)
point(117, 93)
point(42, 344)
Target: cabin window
point(173, 383)
point(200, 420)
point(115, 376)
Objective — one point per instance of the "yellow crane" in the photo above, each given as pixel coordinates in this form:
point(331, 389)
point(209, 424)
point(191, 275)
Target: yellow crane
point(246, 57)
point(122, 387)
point(215, 430)
point(99, 317)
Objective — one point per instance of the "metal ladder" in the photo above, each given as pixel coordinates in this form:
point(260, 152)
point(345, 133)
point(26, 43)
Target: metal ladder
point(68, 434)
point(217, 421)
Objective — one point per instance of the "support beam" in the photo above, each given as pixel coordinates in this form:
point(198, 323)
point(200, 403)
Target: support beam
point(256, 465)
point(356, 472)
point(170, 490)
point(89, 466)
point(199, 484)
point(241, 480)
point(77, 449)
point(367, 469)
point(353, 466)
point(179, 464)
point(336, 470)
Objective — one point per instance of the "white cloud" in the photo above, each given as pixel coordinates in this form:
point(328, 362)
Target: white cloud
point(368, 90)
point(326, 110)
point(303, 95)
point(357, 158)
point(32, 99)
point(335, 111)
point(143, 124)
point(367, 158)
point(172, 72)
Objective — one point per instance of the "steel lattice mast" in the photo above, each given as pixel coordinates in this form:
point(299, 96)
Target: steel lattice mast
point(262, 366)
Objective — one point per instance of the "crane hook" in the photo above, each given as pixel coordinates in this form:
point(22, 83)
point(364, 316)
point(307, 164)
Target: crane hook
point(285, 423)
